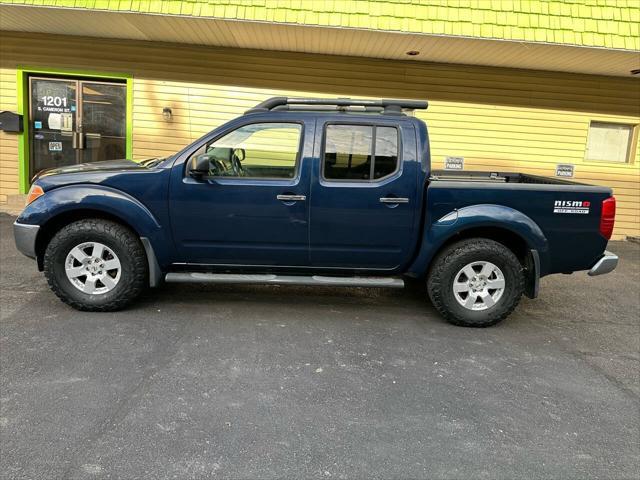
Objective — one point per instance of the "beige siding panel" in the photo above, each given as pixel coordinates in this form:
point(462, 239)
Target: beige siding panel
point(8, 141)
point(8, 162)
point(498, 119)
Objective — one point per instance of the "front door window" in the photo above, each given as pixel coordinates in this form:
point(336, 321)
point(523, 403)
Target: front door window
point(75, 121)
point(258, 150)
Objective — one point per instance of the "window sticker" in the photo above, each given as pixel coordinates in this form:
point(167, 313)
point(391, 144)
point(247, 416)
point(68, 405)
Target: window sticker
point(37, 124)
point(55, 146)
point(54, 121)
point(66, 122)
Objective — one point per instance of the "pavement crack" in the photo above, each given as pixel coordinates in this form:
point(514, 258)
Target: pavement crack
point(617, 383)
point(633, 358)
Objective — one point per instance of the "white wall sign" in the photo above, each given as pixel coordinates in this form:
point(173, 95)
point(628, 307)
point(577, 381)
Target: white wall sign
point(454, 163)
point(564, 170)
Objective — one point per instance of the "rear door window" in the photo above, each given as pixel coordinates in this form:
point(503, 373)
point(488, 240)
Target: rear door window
point(360, 152)
point(386, 152)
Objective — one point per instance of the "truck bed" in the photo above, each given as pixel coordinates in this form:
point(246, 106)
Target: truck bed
point(497, 177)
point(574, 241)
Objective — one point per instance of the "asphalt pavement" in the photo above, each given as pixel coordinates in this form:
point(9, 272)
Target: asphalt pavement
point(266, 382)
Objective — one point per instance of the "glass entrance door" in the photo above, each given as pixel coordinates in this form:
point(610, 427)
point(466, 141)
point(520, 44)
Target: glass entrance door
point(75, 121)
point(53, 123)
point(102, 121)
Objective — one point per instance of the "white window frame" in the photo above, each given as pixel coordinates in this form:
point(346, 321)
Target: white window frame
point(631, 147)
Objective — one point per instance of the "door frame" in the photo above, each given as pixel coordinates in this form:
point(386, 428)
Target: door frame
point(23, 74)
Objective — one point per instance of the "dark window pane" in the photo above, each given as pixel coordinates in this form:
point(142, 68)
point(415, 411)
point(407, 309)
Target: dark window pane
point(347, 154)
point(104, 109)
point(53, 104)
point(386, 152)
point(99, 148)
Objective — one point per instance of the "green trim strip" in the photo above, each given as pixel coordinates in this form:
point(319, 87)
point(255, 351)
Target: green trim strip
point(23, 138)
point(129, 119)
point(23, 73)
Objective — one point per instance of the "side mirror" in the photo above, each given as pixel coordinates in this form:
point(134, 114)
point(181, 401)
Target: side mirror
point(199, 165)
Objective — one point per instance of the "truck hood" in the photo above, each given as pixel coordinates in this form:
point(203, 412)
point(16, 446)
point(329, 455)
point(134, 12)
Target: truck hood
point(107, 166)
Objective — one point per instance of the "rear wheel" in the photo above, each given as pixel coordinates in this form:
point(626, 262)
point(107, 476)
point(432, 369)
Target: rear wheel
point(96, 265)
point(476, 282)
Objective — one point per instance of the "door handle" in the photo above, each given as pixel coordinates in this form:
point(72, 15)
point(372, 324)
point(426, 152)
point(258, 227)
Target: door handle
point(394, 200)
point(292, 198)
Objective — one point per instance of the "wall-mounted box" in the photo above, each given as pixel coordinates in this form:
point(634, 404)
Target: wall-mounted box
point(10, 122)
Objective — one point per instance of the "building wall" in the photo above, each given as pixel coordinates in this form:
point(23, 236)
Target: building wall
point(8, 142)
point(498, 119)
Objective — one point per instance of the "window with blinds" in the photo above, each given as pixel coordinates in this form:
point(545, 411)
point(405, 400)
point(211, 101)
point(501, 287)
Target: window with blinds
point(609, 142)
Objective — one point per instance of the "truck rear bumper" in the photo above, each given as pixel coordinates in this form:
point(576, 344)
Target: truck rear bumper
point(25, 236)
point(607, 263)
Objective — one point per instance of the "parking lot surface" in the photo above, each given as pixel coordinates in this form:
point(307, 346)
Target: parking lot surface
point(290, 382)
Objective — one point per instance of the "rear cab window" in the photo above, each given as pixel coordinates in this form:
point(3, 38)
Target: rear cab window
point(361, 153)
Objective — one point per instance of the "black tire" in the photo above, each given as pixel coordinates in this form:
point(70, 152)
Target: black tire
point(458, 255)
point(122, 241)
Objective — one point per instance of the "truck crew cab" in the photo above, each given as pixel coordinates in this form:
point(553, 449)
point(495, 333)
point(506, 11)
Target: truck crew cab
point(313, 192)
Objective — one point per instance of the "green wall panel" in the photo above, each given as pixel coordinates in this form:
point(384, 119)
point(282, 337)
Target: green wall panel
point(593, 23)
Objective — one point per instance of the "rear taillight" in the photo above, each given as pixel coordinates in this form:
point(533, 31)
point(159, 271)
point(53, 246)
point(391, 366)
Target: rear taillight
point(607, 217)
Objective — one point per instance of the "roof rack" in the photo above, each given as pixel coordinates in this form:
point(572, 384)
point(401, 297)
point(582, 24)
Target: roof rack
point(385, 106)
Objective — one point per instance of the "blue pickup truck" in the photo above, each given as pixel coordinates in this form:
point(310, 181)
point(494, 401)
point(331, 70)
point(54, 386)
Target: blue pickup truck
point(306, 191)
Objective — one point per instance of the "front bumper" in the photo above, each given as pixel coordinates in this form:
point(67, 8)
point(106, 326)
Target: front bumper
point(25, 236)
point(607, 263)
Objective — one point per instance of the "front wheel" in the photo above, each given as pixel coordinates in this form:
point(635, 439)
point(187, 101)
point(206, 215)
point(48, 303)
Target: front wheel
point(476, 282)
point(96, 265)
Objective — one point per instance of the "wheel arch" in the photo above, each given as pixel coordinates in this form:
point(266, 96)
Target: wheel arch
point(507, 237)
point(61, 206)
point(529, 257)
point(57, 222)
point(508, 226)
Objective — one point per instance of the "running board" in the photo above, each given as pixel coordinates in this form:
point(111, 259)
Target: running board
point(197, 277)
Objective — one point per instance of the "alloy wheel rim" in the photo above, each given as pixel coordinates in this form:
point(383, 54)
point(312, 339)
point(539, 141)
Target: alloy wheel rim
point(93, 268)
point(478, 286)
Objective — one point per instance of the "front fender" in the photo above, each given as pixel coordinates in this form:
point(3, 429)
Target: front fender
point(99, 198)
point(479, 216)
